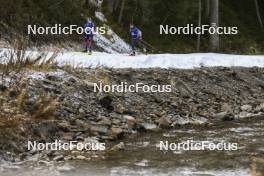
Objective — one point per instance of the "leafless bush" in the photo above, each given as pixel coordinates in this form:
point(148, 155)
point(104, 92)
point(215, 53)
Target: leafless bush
point(45, 107)
point(257, 164)
point(18, 57)
point(22, 95)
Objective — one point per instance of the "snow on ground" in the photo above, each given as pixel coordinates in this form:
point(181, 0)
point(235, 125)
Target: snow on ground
point(113, 43)
point(181, 61)
point(100, 16)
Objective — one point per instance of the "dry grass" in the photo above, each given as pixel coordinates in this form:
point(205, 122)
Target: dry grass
point(18, 113)
point(22, 95)
point(256, 164)
point(18, 57)
point(8, 122)
point(15, 62)
point(45, 108)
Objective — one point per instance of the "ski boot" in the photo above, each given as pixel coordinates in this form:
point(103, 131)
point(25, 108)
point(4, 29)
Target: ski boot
point(133, 53)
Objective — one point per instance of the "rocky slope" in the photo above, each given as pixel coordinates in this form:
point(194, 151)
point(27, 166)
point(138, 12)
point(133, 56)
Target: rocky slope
point(62, 104)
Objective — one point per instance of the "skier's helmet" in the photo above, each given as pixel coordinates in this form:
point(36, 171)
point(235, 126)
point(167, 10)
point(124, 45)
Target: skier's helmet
point(131, 25)
point(89, 19)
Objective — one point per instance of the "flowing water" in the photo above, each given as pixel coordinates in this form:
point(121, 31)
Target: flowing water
point(143, 157)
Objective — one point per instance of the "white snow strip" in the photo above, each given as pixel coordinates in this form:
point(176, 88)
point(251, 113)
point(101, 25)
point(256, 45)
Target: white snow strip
point(100, 16)
point(180, 61)
point(113, 44)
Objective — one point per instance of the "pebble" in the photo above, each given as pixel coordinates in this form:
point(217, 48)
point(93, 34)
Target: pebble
point(80, 157)
point(58, 158)
point(247, 108)
point(118, 147)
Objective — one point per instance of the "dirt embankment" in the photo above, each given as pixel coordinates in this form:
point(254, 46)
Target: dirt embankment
point(62, 104)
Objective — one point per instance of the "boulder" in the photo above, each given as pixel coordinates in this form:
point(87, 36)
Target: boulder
point(224, 116)
point(130, 120)
point(116, 132)
point(149, 126)
point(260, 108)
point(58, 158)
point(164, 122)
point(101, 129)
point(118, 147)
point(246, 108)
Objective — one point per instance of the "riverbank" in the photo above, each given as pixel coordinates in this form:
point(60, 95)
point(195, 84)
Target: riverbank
point(141, 155)
point(60, 104)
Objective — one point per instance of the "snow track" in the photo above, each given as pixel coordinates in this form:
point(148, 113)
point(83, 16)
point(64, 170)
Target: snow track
point(180, 61)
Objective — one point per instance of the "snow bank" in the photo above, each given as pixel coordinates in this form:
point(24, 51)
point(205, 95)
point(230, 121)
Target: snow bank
point(181, 61)
point(100, 16)
point(111, 42)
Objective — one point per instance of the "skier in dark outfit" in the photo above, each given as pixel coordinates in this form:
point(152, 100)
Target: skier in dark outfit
point(136, 37)
point(89, 32)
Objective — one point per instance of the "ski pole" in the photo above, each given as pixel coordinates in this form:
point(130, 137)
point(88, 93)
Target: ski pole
point(149, 45)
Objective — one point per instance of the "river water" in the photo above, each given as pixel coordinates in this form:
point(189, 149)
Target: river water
point(143, 157)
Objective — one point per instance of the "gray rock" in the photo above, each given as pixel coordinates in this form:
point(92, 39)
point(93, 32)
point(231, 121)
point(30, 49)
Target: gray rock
point(245, 114)
point(226, 108)
point(58, 158)
point(149, 126)
point(247, 108)
point(3, 88)
point(79, 138)
point(42, 162)
point(224, 116)
point(165, 122)
point(260, 107)
point(105, 121)
point(80, 157)
point(13, 167)
point(81, 111)
point(65, 168)
point(101, 129)
point(68, 136)
point(118, 147)
point(106, 102)
point(130, 119)
point(180, 121)
point(116, 132)
point(199, 120)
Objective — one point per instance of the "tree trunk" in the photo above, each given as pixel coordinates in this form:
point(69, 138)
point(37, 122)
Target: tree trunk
point(116, 5)
point(86, 3)
point(207, 9)
point(199, 24)
point(121, 12)
point(146, 10)
point(214, 20)
point(258, 14)
point(111, 6)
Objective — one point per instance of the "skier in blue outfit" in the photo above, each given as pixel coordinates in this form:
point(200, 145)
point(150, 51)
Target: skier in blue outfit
point(136, 37)
point(89, 28)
